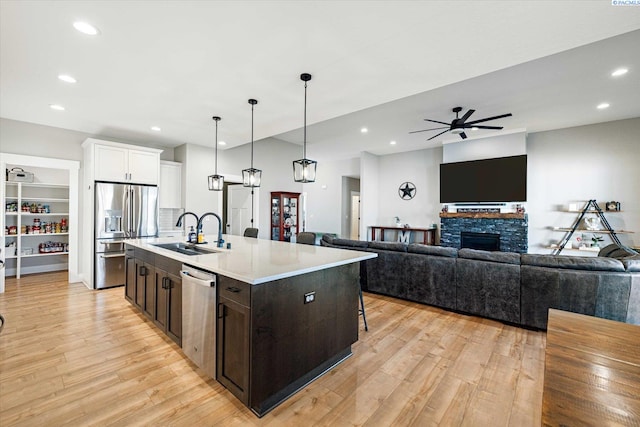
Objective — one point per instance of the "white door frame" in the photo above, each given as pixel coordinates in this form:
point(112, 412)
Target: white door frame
point(73, 168)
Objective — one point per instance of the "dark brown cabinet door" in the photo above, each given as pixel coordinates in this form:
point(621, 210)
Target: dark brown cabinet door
point(151, 277)
point(233, 348)
point(174, 308)
point(141, 279)
point(162, 298)
point(130, 284)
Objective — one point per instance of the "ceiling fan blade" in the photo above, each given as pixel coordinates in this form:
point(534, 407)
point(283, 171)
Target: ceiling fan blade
point(489, 118)
point(425, 130)
point(435, 136)
point(435, 121)
point(483, 127)
point(463, 135)
point(466, 116)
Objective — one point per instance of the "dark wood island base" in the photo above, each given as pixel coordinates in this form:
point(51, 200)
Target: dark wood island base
point(274, 338)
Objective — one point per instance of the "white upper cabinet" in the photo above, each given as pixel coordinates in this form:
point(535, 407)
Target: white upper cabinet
point(115, 162)
point(170, 185)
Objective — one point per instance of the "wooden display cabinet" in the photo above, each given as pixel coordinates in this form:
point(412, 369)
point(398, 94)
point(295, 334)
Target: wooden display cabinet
point(285, 215)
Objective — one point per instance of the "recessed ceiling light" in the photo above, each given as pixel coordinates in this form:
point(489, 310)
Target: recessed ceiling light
point(392, 143)
point(56, 107)
point(85, 28)
point(603, 106)
point(67, 78)
point(155, 128)
point(364, 130)
point(619, 72)
point(222, 143)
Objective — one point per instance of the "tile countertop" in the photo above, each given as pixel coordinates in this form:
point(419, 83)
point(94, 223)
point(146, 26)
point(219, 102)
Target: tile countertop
point(257, 261)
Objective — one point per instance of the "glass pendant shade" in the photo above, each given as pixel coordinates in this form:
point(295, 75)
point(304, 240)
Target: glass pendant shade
point(251, 177)
point(216, 182)
point(304, 170)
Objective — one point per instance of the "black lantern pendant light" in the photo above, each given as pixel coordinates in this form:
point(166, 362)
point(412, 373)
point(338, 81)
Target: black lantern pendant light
point(251, 177)
point(304, 170)
point(216, 182)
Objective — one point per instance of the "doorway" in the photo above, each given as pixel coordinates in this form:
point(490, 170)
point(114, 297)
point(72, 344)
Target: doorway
point(240, 202)
point(355, 216)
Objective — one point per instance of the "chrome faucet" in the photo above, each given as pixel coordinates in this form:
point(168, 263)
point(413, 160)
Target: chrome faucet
point(179, 223)
point(220, 241)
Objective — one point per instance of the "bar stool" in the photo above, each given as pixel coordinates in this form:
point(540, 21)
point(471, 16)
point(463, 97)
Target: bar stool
point(251, 232)
point(306, 238)
point(361, 311)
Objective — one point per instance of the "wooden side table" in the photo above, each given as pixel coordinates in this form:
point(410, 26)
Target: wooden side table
point(428, 234)
point(591, 372)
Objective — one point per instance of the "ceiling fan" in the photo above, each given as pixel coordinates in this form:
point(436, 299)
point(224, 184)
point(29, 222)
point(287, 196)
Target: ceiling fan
point(459, 124)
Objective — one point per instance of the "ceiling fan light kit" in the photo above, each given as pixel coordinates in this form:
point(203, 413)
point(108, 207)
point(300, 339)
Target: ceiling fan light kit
point(460, 124)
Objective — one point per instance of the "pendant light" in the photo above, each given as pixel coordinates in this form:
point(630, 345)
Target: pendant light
point(251, 177)
point(216, 182)
point(304, 170)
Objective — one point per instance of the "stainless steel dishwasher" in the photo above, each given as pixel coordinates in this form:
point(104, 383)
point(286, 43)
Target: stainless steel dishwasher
point(199, 318)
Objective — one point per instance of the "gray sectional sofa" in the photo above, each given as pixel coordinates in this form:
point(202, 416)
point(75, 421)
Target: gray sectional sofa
point(511, 287)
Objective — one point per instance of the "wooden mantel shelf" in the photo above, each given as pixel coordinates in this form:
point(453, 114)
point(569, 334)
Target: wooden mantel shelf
point(509, 215)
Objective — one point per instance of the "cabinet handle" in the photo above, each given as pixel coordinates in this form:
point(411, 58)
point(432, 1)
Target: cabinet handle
point(220, 310)
point(233, 289)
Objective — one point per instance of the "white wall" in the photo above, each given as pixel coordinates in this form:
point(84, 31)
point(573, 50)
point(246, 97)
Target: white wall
point(600, 161)
point(274, 157)
point(422, 168)
point(324, 197)
point(369, 192)
point(513, 144)
point(198, 163)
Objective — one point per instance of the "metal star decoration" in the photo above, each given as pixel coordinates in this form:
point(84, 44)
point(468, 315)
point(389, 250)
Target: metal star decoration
point(407, 191)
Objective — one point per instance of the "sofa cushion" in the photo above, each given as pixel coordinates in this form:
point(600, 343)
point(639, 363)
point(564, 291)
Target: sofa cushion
point(349, 243)
point(573, 262)
point(503, 257)
point(388, 246)
point(632, 263)
point(418, 248)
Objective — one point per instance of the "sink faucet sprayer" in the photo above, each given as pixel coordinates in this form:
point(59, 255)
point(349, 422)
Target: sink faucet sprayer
point(199, 228)
point(179, 223)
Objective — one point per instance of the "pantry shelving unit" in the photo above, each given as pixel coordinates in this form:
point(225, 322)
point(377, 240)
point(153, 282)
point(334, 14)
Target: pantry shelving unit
point(26, 245)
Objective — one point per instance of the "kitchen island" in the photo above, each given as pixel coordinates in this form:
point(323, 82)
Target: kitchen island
point(285, 313)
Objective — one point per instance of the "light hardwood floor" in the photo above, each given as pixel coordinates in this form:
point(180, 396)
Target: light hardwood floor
point(71, 356)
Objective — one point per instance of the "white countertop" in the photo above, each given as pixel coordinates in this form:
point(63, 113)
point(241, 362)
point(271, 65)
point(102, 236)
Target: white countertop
point(257, 261)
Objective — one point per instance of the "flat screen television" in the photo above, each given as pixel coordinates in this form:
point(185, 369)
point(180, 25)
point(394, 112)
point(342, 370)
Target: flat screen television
point(502, 179)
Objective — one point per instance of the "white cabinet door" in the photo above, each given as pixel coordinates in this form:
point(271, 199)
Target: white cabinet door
point(144, 167)
point(170, 185)
point(111, 163)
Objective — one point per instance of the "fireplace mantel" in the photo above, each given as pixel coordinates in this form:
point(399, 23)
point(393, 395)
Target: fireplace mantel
point(486, 215)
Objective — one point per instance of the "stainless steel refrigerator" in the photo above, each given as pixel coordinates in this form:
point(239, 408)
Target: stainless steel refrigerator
point(122, 211)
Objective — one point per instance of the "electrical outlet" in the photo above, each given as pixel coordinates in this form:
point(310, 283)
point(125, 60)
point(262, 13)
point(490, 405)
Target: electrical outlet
point(309, 297)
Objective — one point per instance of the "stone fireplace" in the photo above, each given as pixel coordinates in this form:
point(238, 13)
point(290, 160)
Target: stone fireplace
point(511, 230)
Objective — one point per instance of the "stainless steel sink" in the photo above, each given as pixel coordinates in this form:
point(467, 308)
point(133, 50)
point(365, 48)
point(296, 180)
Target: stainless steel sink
point(186, 249)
